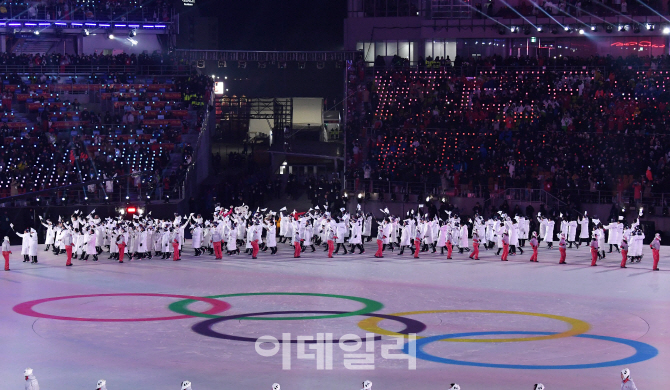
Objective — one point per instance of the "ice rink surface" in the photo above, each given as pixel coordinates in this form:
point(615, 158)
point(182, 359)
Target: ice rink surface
point(573, 326)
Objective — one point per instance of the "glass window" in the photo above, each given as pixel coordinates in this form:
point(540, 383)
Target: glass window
point(391, 48)
point(403, 49)
point(380, 49)
point(369, 51)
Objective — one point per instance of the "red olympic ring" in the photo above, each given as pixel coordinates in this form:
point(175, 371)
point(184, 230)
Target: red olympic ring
point(26, 308)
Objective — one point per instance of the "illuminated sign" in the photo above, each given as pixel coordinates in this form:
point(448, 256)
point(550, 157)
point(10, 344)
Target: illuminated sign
point(641, 44)
point(188, 3)
point(131, 210)
point(218, 88)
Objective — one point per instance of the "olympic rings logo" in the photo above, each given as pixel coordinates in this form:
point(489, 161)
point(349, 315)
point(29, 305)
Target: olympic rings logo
point(213, 316)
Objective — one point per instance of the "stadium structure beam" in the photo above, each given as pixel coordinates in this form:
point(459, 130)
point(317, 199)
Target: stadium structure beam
point(269, 56)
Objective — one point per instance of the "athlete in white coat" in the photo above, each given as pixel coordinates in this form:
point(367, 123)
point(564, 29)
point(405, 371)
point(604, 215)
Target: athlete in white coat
point(25, 244)
point(31, 380)
point(584, 230)
point(626, 382)
point(32, 245)
point(50, 234)
point(614, 232)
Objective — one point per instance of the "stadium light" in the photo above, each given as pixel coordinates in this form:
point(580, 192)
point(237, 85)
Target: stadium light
point(666, 30)
point(36, 32)
point(110, 36)
point(581, 31)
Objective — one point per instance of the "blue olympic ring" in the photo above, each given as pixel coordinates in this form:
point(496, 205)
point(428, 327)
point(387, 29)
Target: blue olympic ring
point(642, 352)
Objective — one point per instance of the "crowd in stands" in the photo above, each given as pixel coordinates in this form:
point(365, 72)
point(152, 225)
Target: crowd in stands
point(126, 124)
point(599, 128)
point(103, 10)
point(57, 59)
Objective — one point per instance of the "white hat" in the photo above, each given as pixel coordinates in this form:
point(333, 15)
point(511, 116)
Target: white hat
point(101, 384)
point(275, 386)
point(539, 386)
point(6, 238)
point(625, 374)
point(455, 386)
point(186, 385)
point(367, 385)
point(28, 372)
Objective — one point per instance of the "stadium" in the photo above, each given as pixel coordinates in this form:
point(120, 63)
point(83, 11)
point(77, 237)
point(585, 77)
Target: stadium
point(453, 194)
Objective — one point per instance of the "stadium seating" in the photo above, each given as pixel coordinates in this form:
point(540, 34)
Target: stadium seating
point(516, 125)
point(51, 139)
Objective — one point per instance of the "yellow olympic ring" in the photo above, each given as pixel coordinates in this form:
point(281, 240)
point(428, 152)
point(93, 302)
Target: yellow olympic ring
point(578, 326)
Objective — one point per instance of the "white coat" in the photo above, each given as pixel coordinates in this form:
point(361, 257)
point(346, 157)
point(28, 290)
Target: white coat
point(270, 235)
point(367, 227)
point(32, 244)
point(31, 383)
point(196, 241)
point(572, 230)
point(356, 231)
point(584, 224)
point(406, 235)
point(232, 240)
point(90, 245)
point(341, 232)
point(464, 243)
point(25, 242)
point(442, 236)
point(51, 235)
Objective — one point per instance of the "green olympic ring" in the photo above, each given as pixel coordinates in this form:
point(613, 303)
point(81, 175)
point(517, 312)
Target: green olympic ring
point(370, 306)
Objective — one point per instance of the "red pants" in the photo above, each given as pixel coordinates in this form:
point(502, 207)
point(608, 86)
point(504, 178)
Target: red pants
point(175, 251)
point(562, 250)
point(296, 249)
point(417, 248)
point(475, 252)
point(533, 257)
point(331, 248)
point(594, 256)
point(122, 251)
point(254, 251)
point(624, 257)
point(217, 250)
point(6, 256)
point(505, 252)
point(380, 247)
point(450, 248)
point(68, 250)
point(655, 254)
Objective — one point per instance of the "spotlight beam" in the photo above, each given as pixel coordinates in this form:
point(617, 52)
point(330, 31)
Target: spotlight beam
point(653, 10)
point(575, 18)
point(546, 13)
point(480, 12)
point(590, 14)
point(518, 13)
point(615, 11)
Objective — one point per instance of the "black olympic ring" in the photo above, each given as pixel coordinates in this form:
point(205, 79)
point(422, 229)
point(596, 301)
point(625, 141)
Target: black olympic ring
point(205, 327)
